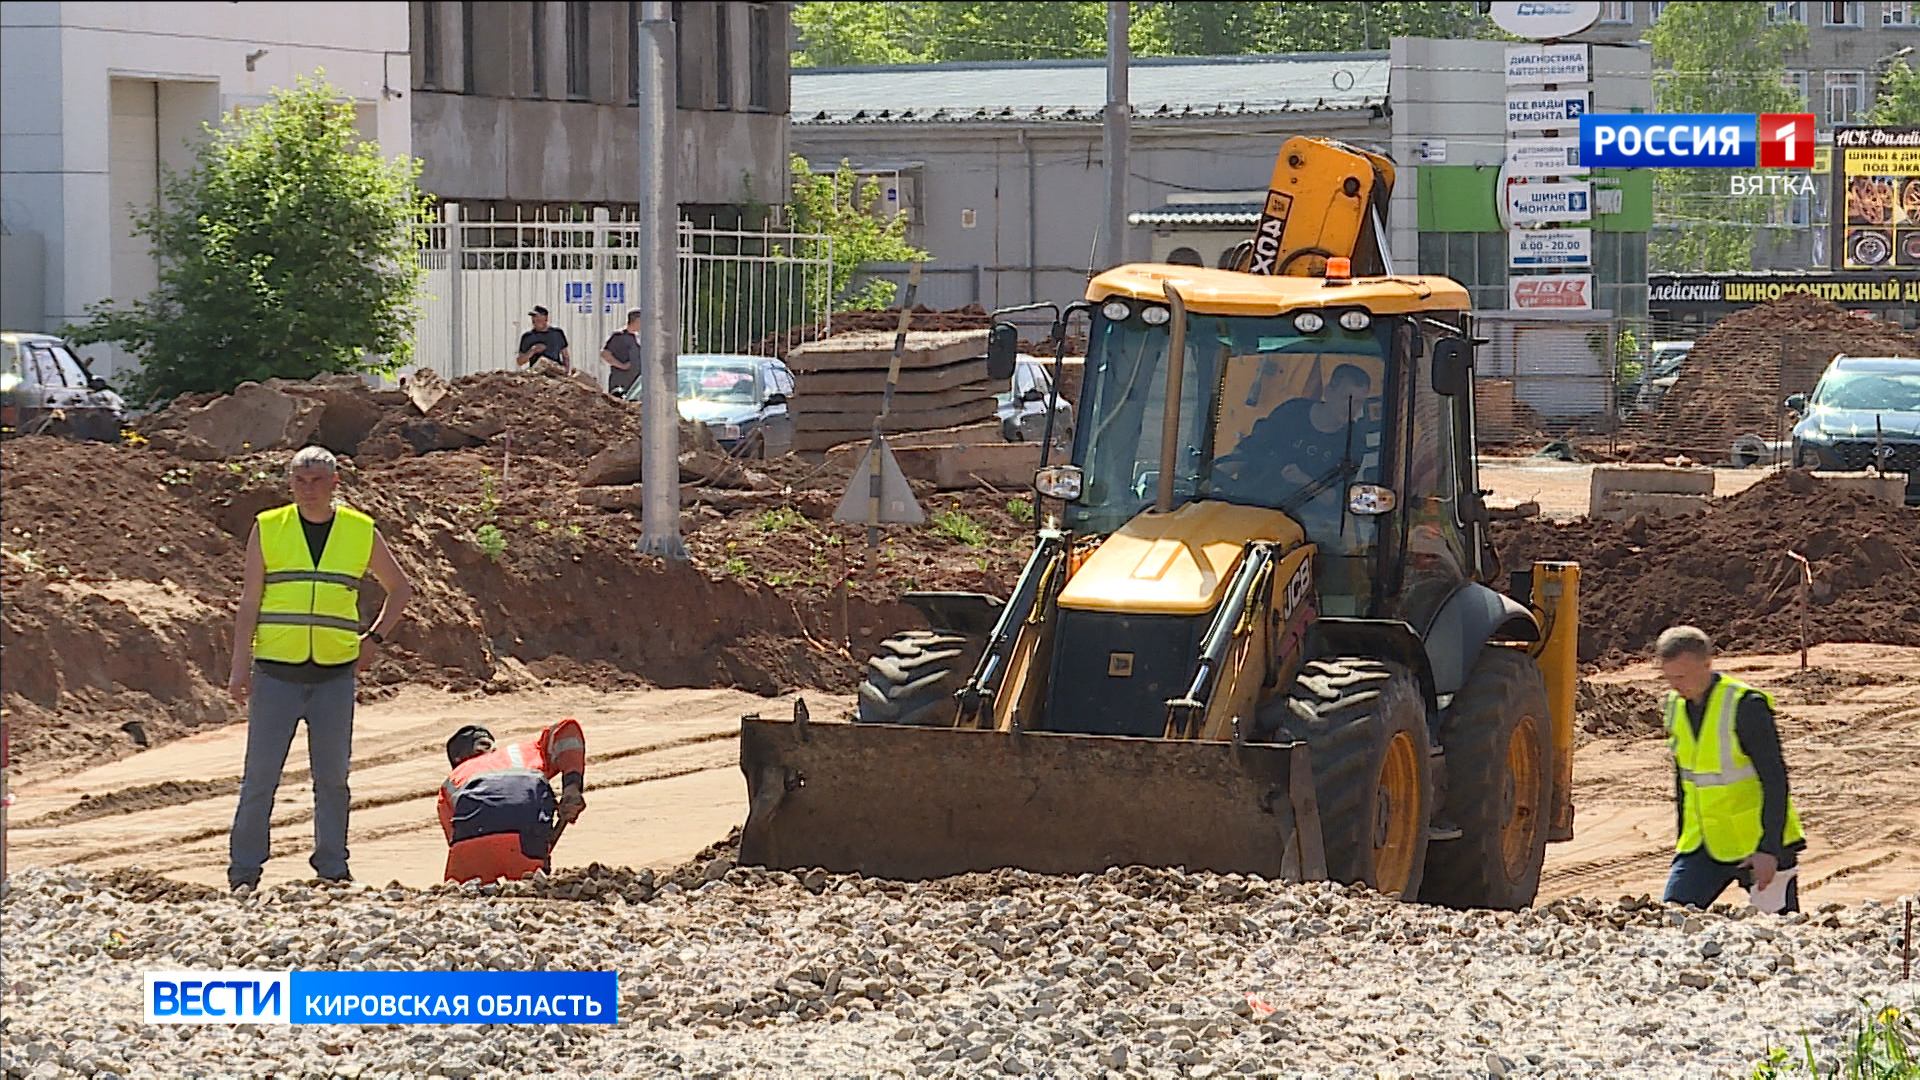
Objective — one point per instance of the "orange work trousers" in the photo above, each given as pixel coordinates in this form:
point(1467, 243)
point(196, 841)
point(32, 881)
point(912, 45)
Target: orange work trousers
point(490, 858)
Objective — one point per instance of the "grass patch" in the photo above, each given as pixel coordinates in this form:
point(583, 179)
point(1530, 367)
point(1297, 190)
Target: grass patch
point(780, 519)
point(491, 541)
point(1885, 1046)
point(1020, 509)
point(956, 525)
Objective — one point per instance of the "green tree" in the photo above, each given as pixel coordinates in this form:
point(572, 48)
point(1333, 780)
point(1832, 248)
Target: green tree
point(834, 32)
point(1715, 58)
point(840, 206)
point(1899, 102)
point(287, 250)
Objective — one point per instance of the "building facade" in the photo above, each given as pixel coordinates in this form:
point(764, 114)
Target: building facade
point(521, 105)
point(998, 166)
point(98, 101)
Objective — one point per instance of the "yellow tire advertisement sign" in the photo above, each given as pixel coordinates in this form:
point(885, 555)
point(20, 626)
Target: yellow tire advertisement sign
point(1877, 188)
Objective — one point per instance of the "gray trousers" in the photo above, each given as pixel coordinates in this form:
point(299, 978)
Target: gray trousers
point(275, 709)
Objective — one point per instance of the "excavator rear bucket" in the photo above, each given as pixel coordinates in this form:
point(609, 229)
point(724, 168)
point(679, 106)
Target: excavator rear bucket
point(915, 802)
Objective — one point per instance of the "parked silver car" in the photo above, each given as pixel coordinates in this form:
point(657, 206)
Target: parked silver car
point(1023, 405)
point(44, 388)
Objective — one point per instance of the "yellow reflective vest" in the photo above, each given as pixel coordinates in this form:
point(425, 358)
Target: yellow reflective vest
point(309, 612)
point(1720, 794)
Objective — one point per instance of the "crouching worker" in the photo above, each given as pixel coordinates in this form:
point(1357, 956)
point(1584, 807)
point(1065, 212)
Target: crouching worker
point(497, 808)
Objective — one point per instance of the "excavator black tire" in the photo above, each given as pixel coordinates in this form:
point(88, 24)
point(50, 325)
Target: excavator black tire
point(1365, 725)
point(1499, 741)
point(913, 678)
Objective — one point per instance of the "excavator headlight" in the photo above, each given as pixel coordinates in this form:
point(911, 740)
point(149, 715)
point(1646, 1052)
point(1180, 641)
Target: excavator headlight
point(1155, 315)
point(1308, 323)
point(1116, 311)
point(1355, 320)
point(1058, 482)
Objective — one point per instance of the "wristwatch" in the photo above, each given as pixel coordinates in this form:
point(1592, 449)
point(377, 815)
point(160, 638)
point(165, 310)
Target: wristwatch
point(374, 636)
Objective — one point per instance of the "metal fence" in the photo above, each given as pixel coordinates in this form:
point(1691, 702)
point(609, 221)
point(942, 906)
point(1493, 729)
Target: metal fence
point(1615, 387)
point(738, 288)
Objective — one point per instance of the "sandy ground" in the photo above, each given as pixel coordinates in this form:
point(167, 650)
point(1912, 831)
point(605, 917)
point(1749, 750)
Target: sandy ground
point(1563, 489)
point(1852, 755)
point(665, 782)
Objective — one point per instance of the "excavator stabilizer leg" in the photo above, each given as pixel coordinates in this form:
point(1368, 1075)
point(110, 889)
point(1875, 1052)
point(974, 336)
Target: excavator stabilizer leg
point(913, 802)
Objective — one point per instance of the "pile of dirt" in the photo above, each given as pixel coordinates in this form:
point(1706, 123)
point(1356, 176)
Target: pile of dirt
point(1611, 711)
point(1729, 571)
point(121, 572)
point(1740, 371)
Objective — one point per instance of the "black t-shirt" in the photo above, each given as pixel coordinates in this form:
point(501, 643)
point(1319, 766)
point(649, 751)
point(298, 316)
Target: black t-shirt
point(1287, 437)
point(309, 672)
point(624, 347)
point(552, 337)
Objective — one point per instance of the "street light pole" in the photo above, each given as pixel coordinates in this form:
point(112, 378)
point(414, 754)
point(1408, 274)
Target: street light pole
point(659, 288)
point(1113, 135)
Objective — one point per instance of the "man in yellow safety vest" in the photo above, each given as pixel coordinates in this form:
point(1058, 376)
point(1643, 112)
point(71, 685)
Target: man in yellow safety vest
point(296, 647)
point(1736, 819)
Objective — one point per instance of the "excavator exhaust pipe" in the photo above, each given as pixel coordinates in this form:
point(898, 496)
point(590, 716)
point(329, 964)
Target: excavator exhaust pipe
point(912, 803)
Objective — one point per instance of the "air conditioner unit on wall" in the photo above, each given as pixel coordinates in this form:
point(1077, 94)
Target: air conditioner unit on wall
point(899, 192)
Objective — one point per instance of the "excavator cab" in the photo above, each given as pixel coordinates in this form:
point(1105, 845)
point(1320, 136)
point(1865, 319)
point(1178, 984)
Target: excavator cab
point(1257, 631)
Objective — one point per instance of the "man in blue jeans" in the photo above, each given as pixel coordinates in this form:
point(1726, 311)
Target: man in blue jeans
point(1735, 818)
point(296, 647)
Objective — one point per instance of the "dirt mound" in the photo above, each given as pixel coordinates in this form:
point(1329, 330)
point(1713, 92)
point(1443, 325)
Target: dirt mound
point(1606, 711)
point(1729, 573)
point(121, 571)
point(1740, 371)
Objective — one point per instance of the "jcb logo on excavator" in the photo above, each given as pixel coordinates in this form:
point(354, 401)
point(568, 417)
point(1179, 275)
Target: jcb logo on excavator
point(1266, 240)
point(1297, 587)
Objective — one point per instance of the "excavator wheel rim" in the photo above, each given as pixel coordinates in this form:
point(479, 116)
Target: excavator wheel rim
point(1400, 787)
point(1525, 813)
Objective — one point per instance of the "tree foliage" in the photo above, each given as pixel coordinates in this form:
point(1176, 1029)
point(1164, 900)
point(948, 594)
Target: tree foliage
point(833, 32)
point(1715, 58)
point(841, 206)
point(287, 250)
point(1899, 102)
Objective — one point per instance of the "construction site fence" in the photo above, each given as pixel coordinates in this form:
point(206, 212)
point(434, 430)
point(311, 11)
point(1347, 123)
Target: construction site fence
point(1599, 385)
point(738, 288)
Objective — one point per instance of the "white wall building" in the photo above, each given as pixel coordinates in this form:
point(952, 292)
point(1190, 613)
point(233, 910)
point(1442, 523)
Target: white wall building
point(97, 100)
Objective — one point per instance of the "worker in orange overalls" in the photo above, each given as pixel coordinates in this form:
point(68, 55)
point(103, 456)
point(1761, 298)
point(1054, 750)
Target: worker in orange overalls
point(497, 807)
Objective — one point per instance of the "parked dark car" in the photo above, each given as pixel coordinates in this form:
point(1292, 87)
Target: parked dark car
point(1864, 413)
point(741, 399)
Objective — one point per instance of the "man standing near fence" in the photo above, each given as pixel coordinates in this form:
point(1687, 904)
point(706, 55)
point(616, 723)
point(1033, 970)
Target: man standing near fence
point(545, 340)
point(622, 356)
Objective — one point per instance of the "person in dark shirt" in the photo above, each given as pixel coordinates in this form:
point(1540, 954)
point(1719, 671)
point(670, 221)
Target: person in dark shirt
point(544, 340)
point(1733, 812)
point(1303, 442)
point(622, 356)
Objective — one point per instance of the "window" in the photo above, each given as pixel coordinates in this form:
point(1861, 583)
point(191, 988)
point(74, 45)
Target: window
point(633, 52)
point(1797, 82)
point(466, 47)
point(759, 57)
point(1655, 9)
point(1845, 12)
point(1616, 11)
point(537, 15)
point(722, 56)
point(1896, 13)
point(579, 41)
point(1845, 96)
point(429, 46)
point(1793, 11)
point(681, 97)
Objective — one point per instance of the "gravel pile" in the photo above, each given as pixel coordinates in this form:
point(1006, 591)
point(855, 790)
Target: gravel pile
point(1135, 973)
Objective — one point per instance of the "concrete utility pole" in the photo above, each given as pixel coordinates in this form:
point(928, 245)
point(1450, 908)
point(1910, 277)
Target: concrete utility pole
point(1113, 137)
point(659, 289)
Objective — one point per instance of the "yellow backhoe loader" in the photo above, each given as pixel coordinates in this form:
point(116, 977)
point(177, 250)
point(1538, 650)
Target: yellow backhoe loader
point(1258, 631)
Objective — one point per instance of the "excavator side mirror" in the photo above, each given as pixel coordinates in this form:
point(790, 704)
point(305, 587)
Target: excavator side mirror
point(1003, 349)
point(1452, 367)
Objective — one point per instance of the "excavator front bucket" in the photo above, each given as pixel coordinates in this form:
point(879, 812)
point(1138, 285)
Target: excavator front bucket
point(915, 802)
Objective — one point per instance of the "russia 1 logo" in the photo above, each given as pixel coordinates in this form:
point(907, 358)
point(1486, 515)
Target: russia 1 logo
point(1786, 140)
